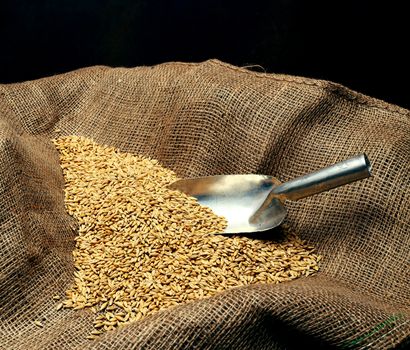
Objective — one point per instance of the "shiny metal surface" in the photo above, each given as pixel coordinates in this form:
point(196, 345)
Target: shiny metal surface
point(339, 174)
point(237, 198)
point(252, 203)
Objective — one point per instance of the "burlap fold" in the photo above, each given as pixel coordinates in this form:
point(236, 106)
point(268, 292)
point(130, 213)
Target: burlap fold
point(203, 119)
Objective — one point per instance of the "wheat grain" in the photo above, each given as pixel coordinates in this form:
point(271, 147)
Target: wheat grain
point(142, 247)
point(38, 324)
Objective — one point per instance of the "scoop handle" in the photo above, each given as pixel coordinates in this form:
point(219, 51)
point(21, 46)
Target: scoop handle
point(339, 174)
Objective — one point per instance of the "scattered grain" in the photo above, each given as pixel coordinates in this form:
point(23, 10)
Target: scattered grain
point(142, 247)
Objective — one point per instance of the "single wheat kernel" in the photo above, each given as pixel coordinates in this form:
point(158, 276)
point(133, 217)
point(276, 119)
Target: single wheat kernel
point(38, 324)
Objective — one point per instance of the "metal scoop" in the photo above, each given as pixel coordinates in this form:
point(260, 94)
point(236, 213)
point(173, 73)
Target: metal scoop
point(252, 203)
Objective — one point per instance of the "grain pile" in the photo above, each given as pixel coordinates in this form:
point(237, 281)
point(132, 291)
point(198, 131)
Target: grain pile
point(142, 247)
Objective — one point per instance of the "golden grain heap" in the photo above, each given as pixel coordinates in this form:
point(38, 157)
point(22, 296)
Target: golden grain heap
point(142, 247)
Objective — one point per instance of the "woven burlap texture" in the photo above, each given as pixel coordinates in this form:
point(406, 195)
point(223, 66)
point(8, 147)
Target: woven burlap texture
point(204, 119)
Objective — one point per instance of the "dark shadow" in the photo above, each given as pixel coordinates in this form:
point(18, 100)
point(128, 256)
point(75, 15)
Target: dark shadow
point(324, 40)
point(277, 235)
point(294, 339)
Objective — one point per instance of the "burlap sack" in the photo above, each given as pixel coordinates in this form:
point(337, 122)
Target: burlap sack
point(202, 119)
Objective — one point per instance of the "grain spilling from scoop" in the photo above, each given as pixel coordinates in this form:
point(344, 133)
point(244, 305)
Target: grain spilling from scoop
point(142, 247)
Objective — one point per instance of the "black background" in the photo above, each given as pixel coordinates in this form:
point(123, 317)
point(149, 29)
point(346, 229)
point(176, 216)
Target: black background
point(360, 44)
